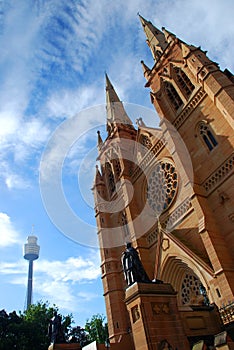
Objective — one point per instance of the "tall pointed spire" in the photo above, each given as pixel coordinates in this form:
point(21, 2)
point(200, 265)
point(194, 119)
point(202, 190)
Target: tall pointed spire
point(116, 113)
point(111, 95)
point(100, 142)
point(155, 38)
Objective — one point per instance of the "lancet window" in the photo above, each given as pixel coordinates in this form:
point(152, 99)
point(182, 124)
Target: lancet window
point(110, 178)
point(183, 82)
point(124, 223)
point(117, 167)
point(207, 135)
point(172, 95)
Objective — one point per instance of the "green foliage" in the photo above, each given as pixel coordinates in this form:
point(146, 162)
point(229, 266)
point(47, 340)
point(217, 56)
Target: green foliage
point(97, 329)
point(78, 335)
point(29, 330)
point(36, 320)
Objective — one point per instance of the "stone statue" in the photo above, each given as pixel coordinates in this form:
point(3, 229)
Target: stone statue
point(203, 292)
point(132, 266)
point(55, 331)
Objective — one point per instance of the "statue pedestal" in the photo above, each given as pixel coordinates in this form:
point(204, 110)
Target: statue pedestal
point(154, 316)
point(75, 346)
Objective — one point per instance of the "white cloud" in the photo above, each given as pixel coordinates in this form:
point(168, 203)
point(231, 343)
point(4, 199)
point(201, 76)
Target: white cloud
point(9, 235)
point(67, 103)
point(55, 280)
point(73, 269)
point(207, 23)
point(33, 133)
point(30, 48)
point(87, 296)
point(55, 292)
point(11, 177)
point(8, 124)
point(17, 44)
point(14, 181)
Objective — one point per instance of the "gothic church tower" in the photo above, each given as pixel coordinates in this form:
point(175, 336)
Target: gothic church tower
point(195, 100)
point(169, 190)
point(111, 192)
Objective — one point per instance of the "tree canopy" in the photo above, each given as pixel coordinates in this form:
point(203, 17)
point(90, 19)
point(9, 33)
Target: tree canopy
point(29, 327)
point(20, 331)
point(97, 329)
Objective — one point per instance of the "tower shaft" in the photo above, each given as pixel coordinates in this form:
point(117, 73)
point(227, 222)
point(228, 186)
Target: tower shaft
point(30, 286)
point(31, 252)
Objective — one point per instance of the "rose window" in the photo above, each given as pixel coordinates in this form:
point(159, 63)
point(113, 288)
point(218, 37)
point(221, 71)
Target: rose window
point(162, 186)
point(190, 288)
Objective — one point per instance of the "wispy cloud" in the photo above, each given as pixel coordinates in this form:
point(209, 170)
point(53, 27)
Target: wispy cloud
point(200, 23)
point(55, 280)
point(67, 103)
point(74, 269)
point(52, 65)
point(9, 234)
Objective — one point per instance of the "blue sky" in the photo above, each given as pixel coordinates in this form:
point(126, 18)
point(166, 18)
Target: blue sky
point(53, 58)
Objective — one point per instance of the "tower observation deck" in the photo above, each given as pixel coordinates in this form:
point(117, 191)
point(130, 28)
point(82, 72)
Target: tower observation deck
point(31, 253)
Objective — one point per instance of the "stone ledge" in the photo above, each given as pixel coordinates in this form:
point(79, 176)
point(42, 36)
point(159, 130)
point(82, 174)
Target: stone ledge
point(149, 288)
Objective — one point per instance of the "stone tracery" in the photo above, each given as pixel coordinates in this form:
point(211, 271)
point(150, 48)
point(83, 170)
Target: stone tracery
point(162, 186)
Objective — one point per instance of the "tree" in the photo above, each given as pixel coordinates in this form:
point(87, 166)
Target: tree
point(78, 335)
point(30, 327)
point(97, 329)
point(36, 320)
point(10, 330)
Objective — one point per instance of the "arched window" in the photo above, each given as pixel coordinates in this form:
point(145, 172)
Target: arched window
point(207, 135)
point(183, 81)
point(117, 167)
point(110, 178)
point(193, 291)
point(173, 95)
point(124, 223)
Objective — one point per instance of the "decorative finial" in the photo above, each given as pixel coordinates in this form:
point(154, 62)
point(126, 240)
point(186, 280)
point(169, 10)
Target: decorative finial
point(146, 69)
point(140, 122)
point(100, 142)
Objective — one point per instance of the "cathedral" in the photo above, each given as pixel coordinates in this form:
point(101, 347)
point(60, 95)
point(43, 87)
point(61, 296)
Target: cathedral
point(168, 191)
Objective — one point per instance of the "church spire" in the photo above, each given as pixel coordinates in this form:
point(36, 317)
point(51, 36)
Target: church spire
point(146, 69)
point(116, 113)
point(155, 38)
point(111, 95)
point(100, 142)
